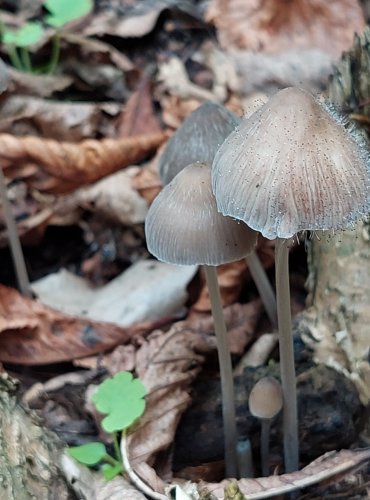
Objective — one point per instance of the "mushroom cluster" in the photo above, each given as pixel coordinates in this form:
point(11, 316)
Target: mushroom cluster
point(292, 166)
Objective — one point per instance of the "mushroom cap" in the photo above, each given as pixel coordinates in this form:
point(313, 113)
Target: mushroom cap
point(266, 398)
point(183, 225)
point(292, 166)
point(197, 139)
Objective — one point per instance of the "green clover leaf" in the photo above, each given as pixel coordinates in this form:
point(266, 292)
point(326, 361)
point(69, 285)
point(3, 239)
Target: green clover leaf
point(63, 11)
point(88, 454)
point(121, 398)
point(29, 34)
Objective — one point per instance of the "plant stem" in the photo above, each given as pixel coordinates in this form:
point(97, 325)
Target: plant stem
point(263, 286)
point(245, 458)
point(287, 370)
point(265, 445)
point(116, 447)
point(227, 382)
point(14, 57)
point(55, 52)
point(15, 244)
point(135, 479)
point(25, 59)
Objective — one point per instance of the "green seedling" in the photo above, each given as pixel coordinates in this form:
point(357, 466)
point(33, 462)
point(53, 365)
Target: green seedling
point(18, 42)
point(121, 399)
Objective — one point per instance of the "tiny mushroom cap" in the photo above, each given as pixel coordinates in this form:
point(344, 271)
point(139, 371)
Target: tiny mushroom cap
point(183, 225)
point(266, 398)
point(197, 139)
point(293, 166)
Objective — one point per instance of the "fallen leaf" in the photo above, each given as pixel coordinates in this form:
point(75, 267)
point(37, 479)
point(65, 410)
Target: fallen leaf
point(174, 79)
point(138, 115)
point(114, 197)
point(230, 280)
point(72, 165)
point(90, 485)
point(322, 469)
point(37, 85)
point(32, 333)
point(147, 290)
point(268, 26)
point(147, 182)
point(68, 121)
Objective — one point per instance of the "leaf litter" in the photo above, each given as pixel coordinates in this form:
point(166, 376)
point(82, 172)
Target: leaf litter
point(171, 359)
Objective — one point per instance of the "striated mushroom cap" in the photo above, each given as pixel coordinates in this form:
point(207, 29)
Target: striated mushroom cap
point(183, 225)
point(266, 398)
point(292, 166)
point(198, 139)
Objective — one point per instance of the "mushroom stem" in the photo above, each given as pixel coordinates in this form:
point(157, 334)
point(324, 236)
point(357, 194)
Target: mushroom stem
point(265, 445)
point(263, 286)
point(287, 370)
point(15, 245)
point(227, 383)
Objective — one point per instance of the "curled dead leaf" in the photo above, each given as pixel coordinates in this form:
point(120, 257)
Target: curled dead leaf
point(71, 165)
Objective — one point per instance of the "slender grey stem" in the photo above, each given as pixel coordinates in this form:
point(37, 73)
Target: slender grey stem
point(263, 286)
point(245, 458)
point(227, 382)
point(265, 445)
point(15, 244)
point(287, 369)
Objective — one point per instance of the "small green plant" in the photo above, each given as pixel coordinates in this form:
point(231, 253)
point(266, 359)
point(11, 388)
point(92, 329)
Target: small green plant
point(121, 399)
point(18, 42)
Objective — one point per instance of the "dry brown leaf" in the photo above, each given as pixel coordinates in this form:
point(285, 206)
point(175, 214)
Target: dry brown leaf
point(72, 165)
point(271, 26)
point(175, 109)
point(37, 85)
point(68, 121)
point(147, 182)
point(31, 333)
point(166, 363)
point(138, 116)
point(230, 279)
point(322, 469)
point(90, 485)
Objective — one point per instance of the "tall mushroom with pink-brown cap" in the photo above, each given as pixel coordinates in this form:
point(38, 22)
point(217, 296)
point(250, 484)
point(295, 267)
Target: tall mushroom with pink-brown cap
point(184, 227)
point(294, 165)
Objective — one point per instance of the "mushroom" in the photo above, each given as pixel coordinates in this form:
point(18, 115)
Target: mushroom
point(184, 227)
point(291, 166)
point(197, 140)
point(265, 402)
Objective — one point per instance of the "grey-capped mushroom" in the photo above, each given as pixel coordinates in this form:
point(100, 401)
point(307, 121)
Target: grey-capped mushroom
point(197, 140)
point(183, 227)
point(265, 402)
point(292, 166)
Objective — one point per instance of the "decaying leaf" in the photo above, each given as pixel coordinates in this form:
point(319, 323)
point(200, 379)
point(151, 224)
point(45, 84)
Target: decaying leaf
point(270, 26)
point(322, 469)
point(138, 116)
point(31, 333)
point(37, 85)
point(71, 165)
point(147, 290)
point(230, 280)
point(113, 197)
point(90, 485)
point(68, 121)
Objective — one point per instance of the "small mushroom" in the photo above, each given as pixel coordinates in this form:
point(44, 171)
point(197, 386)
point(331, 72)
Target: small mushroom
point(183, 226)
point(197, 140)
point(265, 402)
point(292, 166)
